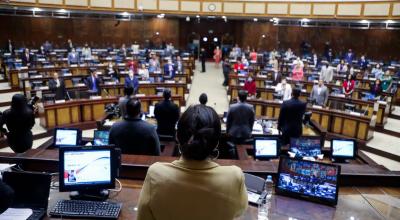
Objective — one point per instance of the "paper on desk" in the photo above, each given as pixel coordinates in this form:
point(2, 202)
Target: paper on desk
point(16, 214)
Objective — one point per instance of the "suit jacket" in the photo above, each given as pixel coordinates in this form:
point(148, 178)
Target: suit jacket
point(327, 74)
point(58, 91)
point(168, 72)
point(135, 136)
point(134, 83)
point(26, 59)
point(73, 59)
point(291, 118)
point(6, 195)
point(89, 83)
point(322, 97)
point(167, 114)
point(276, 78)
point(205, 189)
point(240, 120)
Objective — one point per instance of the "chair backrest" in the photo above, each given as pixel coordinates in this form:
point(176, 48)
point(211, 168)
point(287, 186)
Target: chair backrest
point(254, 183)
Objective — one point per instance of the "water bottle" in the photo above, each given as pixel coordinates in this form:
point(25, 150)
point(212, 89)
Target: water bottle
point(265, 203)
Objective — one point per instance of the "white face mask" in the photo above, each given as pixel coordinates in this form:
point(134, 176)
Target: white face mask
point(250, 79)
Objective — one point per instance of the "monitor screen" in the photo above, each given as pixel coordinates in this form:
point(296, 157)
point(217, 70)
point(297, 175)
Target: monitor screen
point(343, 148)
point(310, 180)
point(100, 138)
point(66, 137)
point(86, 168)
point(265, 148)
point(305, 147)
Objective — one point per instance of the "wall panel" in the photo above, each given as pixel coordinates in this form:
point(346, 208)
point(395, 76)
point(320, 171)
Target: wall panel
point(349, 9)
point(190, 6)
point(128, 4)
point(324, 9)
point(276, 8)
point(52, 2)
point(101, 3)
point(233, 7)
point(396, 9)
point(300, 9)
point(255, 8)
point(169, 5)
point(76, 2)
point(376, 9)
point(147, 4)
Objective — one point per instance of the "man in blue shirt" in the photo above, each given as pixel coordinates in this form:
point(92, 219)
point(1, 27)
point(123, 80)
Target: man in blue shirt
point(93, 82)
point(131, 81)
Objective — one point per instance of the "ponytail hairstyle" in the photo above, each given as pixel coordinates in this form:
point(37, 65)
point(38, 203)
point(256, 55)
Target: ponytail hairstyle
point(199, 130)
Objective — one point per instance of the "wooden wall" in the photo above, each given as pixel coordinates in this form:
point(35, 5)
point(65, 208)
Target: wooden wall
point(31, 32)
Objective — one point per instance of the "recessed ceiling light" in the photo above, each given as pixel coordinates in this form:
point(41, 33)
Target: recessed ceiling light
point(36, 9)
point(62, 11)
point(255, 19)
point(364, 21)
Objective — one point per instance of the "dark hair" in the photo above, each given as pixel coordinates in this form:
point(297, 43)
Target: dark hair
point(128, 91)
point(242, 95)
point(167, 94)
point(296, 93)
point(133, 107)
point(199, 130)
point(203, 99)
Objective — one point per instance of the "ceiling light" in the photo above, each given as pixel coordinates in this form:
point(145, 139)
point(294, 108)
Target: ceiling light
point(255, 19)
point(125, 13)
point(263, 36)
point(197, 16)
point(305, 20)
point(364, 21)
point(187, 18)
point(36, 9)
point(62, 11)
point(390, 21)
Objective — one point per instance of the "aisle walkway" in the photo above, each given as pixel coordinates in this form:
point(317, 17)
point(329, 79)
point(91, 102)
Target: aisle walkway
point(210, 83)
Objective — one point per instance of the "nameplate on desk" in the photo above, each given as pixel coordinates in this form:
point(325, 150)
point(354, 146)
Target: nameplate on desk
point(382, 102)
point(41, 59)
point(355, 113)
point(121, 64)
point(340, 95)
point(317, 106)
point(140, 95)
point(23, 67)
point(67, 74)
point(110, 83)
point(49, 66)
point(241, 74)
point(7, 54)
point(372, 79)
point(144, 82)
point(79, 84)
point(97, 97)
point(74, 65)
point(109, 58)
point(169, 81)
point(59, 101)
point(123, 72)
point(303, 90)
point(17, 60)
point(99, 73)
point(43, 87)
point(315, 81)
point(241, 84)
point(99, 64)
point(37, 76)
point(157, 72)
point(64, 59)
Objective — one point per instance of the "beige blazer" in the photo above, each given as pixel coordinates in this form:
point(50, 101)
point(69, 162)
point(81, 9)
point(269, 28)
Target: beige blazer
point(191, 190)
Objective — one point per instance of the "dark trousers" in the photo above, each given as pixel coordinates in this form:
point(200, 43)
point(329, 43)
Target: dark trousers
point(203, 65)
point(226, 76)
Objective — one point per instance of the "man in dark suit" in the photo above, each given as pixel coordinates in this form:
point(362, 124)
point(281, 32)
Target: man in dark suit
point(276, 78)
point(93, 82)
point(133, 135)
point(291, 117)
point(26, 57)
point(167, 114)
point(57, 87)
point(203, 57)
point(169, 70)
point(132, 81)
point(9, 47)
point(6, 195)
point(240, 119)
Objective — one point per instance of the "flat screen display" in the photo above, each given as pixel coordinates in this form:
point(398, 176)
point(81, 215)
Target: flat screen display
point(309, 180)
point(266, 148)
point(100, 138)
point(305, 147)
point(66, 137)
point(343, 148)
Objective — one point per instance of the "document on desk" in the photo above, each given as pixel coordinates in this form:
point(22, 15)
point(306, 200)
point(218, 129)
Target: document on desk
point(16, 214)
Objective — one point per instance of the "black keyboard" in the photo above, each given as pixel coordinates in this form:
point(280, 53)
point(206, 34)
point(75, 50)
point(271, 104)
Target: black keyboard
point(86, 209)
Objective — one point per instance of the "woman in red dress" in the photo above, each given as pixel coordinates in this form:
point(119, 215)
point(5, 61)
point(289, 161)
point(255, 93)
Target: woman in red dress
point(217, 56)
point(348, 86)
point(250, 86)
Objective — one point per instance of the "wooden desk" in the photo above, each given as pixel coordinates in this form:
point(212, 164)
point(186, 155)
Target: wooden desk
point(74, 112)
point(356, 202)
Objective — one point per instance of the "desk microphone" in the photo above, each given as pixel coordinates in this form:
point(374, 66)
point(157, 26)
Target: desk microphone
point(69, 97)
point(108, 94)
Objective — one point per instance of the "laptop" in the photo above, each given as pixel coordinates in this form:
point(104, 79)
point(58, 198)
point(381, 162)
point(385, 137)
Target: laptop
point(31, 191)
point(254, 186)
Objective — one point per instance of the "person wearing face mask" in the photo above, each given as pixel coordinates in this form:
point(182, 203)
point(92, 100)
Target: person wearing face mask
point(326, 73)
point(284, 89)
point(250, 86)
point(112, 71)
point(363, 63)
point(319, 94)
point(93, 82)
point(169, 70)
point(73, 57)
point(341, 67)
point(143, 72)
point(57, 87)
point(386, 81)
point(86, 52)
point(377, 71)
point(348, 86)
point(131, 81)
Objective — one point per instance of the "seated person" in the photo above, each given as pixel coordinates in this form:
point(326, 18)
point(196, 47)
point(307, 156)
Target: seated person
point(274, 63)
point(284, 89)
point(57, 87)
point(375, 88)
point(197, 185)
point(253, 55)
point(290, 121)
point(154, 64)
point(169, 70)
point(128, 91)
point(166, 114)
point(132, 81)
point(73, 57)
point(377, 71)
point(363, 63)
point(238, 66)
point(245, 62)
point(240, 119)
point(297, 73)
point(348, 86)
point(133, 135)
point(93, 82)
point(144, 72)
point(179, 65)
point(386, 81)
point(6, 195)
point(341, 68)
point(320, 93)
point(250, 86)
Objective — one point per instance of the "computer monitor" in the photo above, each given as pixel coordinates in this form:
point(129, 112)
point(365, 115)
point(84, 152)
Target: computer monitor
point(266, 148)
point(66, 137)
point(342, 149)
point(100, 137)
point(87, 169)
point(308, 180)
point(305, 146)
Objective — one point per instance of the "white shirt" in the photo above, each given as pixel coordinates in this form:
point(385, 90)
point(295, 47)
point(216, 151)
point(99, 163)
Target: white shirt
point(319, 90)
point(144, 73)
point(57, 83)
point(286, 91)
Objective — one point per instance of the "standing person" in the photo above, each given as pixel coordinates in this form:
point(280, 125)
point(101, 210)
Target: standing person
point(386, 80)
point(240, 119)
point(69, 45)
point(297, 73)
point(132, 81)
point(376, 88)
point(326, 73)
point(320, 93)
point(226, 69)
point(250, 86)
point(19, 120)
point(284, 89)
point(201, 189)
point(26, 57)
point(128, 92)
point(217, 56)
point(93, 82)
point(166, 114)
point(290, 121)
point(253, 56)
point(203, 99)
point(203, 57)
point(348, 86)
point(57, 87)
